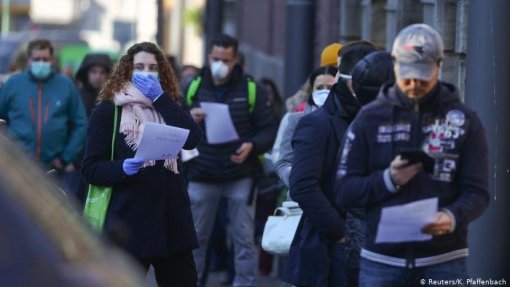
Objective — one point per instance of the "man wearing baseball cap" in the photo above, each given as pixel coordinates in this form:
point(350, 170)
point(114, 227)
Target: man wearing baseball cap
point(416, 143)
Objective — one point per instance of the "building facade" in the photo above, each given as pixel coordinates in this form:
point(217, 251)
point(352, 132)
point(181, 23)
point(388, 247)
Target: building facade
point(261, 27)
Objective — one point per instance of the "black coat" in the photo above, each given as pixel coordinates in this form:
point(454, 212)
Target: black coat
point(316, 144)
point(153, 205)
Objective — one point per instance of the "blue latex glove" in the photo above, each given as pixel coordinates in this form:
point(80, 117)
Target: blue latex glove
point(148, 85)
point(132, 165)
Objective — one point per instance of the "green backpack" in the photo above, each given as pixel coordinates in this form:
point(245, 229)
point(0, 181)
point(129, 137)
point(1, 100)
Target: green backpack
point(195, 84)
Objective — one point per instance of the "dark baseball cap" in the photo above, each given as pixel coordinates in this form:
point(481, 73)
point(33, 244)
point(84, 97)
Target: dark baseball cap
point(417, 49)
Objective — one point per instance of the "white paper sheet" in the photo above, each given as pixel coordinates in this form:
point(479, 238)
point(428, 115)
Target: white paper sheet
point(187, 155)
point(219, 127)
point(161, 142)
point(403, 223)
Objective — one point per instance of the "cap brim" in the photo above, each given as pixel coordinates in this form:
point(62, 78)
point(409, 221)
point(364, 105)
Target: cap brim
point(420, 71)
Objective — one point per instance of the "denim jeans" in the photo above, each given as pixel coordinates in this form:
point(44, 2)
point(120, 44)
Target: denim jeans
point(374, 274)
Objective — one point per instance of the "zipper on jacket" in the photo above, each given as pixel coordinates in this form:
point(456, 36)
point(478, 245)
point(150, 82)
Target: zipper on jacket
point(410, 262)
point(415, 126)
point(39, 123)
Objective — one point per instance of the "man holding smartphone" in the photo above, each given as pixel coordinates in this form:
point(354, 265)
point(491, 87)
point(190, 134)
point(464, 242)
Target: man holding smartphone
point(421, 113)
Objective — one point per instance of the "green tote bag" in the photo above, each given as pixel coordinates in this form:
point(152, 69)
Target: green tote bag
point(98, 197)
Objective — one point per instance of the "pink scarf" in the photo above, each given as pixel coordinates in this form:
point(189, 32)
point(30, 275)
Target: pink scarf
point(137, 109)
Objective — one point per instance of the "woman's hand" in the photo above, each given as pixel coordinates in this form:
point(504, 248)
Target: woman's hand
point(132, 165)
point(148, 85)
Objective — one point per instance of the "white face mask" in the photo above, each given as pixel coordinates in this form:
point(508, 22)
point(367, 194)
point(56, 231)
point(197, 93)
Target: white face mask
point(155, 75)
point(219, 70)
point(319, 97)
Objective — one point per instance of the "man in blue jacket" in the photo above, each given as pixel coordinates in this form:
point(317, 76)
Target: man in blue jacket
point(43, 110)
point(423, 113)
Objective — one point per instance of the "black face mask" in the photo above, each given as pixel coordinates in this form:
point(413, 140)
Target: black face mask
point(346, 98)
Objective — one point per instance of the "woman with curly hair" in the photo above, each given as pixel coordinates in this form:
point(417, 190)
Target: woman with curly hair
point(149, 201)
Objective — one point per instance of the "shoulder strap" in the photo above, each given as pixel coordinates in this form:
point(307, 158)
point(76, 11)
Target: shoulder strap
point(192, 90)
point(115, 118)
point(252, 94)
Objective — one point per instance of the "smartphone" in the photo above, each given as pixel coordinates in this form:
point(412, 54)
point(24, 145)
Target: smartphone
point(418, 155)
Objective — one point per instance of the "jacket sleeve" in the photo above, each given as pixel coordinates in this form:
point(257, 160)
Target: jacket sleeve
point(305, 179)
point(77, 126)
point(6, 95)
point(283, 165)
point(265, 123)
point(275, 151)
point(179, 117)
point(97, 168)
point(356, 185)
point(472, 177)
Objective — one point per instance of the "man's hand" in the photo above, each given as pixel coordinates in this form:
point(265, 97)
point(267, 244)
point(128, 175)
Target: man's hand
point(442, 224)
point(69, 168)
point(57, 164)
point(242, 153)
point(198, 114)
point(401, 173)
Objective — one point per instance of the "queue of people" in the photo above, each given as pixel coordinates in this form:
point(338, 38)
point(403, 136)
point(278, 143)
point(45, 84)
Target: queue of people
point(341, 150)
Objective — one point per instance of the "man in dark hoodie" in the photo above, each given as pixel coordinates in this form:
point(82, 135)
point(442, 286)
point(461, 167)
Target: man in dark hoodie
point(316, 256)
point(427, 115)
point(91, 76)
point(369, 74)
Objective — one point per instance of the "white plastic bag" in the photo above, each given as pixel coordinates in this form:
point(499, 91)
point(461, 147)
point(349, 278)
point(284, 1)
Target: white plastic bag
point(280, 228)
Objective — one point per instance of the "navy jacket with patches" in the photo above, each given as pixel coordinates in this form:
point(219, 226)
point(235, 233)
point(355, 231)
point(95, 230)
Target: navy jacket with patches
point(438, 123)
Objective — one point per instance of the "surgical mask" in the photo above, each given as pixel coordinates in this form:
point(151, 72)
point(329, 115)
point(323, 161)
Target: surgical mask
point(40, 69)
point(219, 70)
point(155, 75)
point(319, 97)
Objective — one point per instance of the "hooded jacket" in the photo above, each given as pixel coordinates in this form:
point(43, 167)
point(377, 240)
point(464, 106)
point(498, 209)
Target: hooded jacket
point(46, 117)
point(438, 123)
point(89, 93)
point(370, 73)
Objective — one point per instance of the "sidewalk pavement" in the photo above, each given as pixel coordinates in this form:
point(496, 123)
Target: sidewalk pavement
point(215, 279)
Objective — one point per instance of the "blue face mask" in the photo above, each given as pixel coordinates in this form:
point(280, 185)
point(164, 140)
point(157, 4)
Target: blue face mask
point(40, 69)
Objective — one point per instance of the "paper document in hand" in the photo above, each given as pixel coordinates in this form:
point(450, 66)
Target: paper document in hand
point(187, 155)
point(219, 127)
point(403, 223)
point(161, 142)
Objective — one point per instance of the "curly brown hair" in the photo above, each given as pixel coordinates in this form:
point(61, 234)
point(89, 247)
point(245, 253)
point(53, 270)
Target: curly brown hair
point(122, 72)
